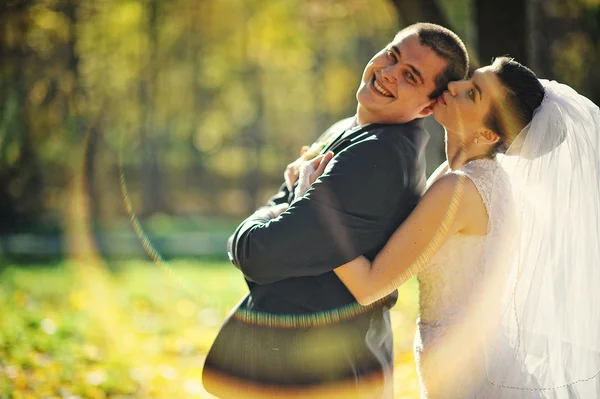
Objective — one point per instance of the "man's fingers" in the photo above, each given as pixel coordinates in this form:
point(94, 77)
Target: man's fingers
point(304, 149)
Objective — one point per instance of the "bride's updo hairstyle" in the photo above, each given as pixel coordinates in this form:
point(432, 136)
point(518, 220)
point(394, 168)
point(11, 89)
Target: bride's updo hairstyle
point(523, 95)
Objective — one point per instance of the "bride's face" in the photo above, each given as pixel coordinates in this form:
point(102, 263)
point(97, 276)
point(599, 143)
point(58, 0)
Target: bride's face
point(463, 108)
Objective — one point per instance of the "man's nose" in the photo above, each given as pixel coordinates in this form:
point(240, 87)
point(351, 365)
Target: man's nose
point(388, 74)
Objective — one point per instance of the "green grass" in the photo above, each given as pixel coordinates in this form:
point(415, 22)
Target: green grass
point(76, 330)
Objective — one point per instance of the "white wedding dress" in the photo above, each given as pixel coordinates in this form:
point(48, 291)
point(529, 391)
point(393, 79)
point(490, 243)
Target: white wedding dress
point(450, 361)
point(515, 314)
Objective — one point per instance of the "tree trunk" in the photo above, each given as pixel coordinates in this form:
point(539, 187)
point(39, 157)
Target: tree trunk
point(412, 11)
point(502, 29)
point(199, 14)
point(151, 178)
point(21, 180)
point(253, 134)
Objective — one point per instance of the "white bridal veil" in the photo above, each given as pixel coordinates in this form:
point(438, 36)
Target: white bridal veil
point(546, 342)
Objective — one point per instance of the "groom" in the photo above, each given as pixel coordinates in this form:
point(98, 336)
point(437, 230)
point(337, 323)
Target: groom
point(299, 331)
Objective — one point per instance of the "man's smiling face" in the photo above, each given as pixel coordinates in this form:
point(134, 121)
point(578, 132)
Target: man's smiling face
point(397, 82)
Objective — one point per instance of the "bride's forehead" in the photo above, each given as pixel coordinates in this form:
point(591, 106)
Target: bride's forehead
point(487, 79)
point(485, 75)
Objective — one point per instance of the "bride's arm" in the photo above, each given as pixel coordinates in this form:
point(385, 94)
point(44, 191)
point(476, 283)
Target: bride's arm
point(441, 213)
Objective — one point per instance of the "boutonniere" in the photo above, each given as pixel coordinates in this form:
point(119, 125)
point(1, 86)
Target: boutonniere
point(316, 148)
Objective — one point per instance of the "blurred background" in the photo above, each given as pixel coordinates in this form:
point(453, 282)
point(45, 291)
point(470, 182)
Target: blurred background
point(136, 134)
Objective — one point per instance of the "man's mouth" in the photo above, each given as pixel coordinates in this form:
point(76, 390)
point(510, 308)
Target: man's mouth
point(380, 89)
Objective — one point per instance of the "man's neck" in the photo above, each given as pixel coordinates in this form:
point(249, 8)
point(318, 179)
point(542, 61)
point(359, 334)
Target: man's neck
point(364, 118)
point(362, 122)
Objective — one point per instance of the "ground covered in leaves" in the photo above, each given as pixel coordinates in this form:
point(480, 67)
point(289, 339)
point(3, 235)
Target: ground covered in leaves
point(141, 330)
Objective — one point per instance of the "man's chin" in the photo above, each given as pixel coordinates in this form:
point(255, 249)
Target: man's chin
point(370, 104)
point(362, 97)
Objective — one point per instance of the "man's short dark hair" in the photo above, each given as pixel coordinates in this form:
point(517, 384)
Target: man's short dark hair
point(448, 46)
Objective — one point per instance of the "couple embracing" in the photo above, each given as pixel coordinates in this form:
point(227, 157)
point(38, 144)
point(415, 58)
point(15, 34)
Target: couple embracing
point(503, 238)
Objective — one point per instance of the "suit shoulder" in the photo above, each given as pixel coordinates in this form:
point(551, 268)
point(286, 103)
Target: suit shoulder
point(343, 124)
point(371, 146)
point(407, 141)
point(404, 134)
point(336, 128)
point(391, 145)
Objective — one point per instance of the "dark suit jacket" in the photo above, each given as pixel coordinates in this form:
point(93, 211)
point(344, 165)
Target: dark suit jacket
point(299, 325)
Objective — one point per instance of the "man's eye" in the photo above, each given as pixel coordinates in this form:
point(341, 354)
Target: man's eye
point(471, 95)
point(391, 54)
point(411, 77)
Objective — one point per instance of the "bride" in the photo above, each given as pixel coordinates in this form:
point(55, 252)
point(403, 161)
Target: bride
point(505, 243)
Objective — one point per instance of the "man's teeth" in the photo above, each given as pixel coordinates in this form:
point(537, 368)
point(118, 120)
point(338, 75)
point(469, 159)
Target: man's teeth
point(381, 89)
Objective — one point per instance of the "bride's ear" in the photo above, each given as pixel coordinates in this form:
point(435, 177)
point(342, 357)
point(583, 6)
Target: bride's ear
point(428, 109)
point(487, 136)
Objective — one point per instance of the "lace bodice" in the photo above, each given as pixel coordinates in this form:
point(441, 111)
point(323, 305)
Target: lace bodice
point(446, 285)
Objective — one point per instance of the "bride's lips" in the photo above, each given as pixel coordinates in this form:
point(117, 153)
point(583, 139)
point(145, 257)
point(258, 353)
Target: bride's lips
point(441, 99)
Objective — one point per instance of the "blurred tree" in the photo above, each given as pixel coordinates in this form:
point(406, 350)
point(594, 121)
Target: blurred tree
point(410, 12)
point(503, 29)
point(151, 133)
point(20, 168)
point(209, 100)
point(502, 26)
point(565, 43)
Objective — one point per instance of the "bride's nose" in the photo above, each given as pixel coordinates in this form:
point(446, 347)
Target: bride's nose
point(453, 88)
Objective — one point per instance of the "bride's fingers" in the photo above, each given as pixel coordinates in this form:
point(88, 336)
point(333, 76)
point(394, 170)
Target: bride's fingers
point(277, 210)
point(325, 161)
point(320, 163)
point(304, 149)
point(291, 175)
point(316, 161)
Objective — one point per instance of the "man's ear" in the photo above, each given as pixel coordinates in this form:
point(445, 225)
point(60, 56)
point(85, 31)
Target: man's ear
point(428, 109)
point(488, 136)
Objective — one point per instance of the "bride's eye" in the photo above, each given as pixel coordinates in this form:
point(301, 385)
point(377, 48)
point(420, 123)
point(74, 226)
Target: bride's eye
point(471, 95)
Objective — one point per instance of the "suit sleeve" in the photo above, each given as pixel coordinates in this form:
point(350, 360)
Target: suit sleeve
point(340, 218)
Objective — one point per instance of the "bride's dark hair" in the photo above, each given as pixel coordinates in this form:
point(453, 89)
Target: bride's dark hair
point(523, 95)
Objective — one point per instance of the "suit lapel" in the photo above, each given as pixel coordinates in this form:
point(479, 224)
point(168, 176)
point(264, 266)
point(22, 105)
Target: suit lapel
point(341, 138)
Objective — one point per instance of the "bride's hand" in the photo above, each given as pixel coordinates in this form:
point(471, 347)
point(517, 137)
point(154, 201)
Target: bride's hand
point(310, 172)
point(292, 170)
point(318, 166)
point(276, 210)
